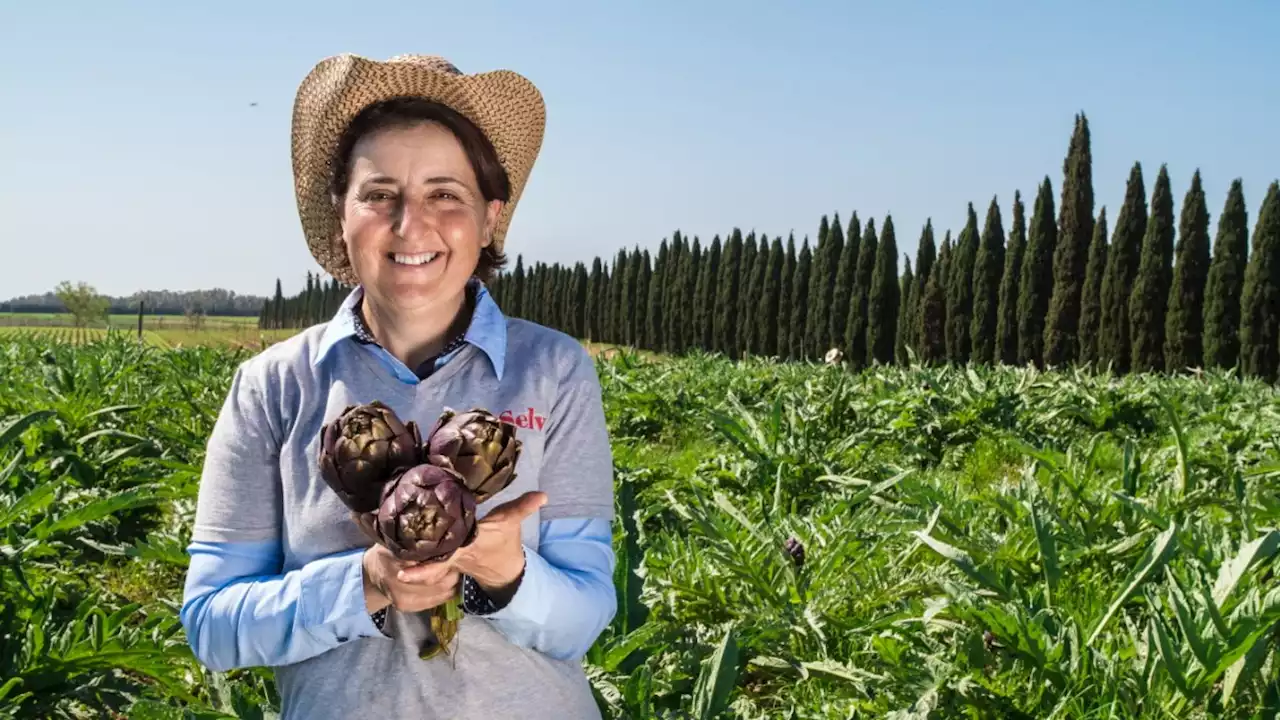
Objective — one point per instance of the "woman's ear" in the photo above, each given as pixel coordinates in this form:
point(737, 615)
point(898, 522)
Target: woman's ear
point(491, 213)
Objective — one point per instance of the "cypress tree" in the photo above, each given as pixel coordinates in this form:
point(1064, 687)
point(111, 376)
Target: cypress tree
point(754, 339)
point(842, 290)
point(827, 337)
point(566, 299)
point(1071, 253)
point(800, 302)
point(632, 302)
point(1148, 302)
point(550, 292)
point(686, 278)
point(616, 294)
point(705, 295)
point(1184, 324)
point(654, 319)
point(987, 268)
point(932, 322)
point(960, 292)
point(1260, 299)
point(512, 298)
point(815, 331)
point(785, 298)
point(277, 307)
point(595, 286)
point(671, 299)
point(1091, 295)
point(682, 295)
point(580, 282)
point(856, 349)
point(1225, 282)
point(726, 319)
point(745, 313)
point(546, 293)
point(767, 319)
point(907, 290)
point(642, 302)
point(307, 300)
point(926, 255)
point(882, 310)
point(531, 297)
point(1007, 322)
point(1036, 285)
point(528, 301)
point(1122, 269)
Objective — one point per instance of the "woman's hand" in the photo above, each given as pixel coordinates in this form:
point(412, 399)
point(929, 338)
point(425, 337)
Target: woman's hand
point(408, 587)
point(495, 557)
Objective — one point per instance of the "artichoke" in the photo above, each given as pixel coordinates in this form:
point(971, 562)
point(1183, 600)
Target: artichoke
point(795, 549)
point(426, 513)
point(362, 448)
point(477, 446)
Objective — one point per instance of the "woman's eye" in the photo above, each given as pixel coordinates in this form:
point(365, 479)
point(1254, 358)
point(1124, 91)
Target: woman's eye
point(445, 194)
point(378, 196)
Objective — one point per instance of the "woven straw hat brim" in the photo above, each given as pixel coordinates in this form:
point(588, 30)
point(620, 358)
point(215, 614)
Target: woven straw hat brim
point(504, 105)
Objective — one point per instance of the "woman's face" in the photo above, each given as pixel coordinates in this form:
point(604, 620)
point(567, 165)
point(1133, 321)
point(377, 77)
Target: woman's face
point(413, 218)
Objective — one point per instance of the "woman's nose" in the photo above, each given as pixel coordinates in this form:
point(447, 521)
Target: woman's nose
point(412, 220)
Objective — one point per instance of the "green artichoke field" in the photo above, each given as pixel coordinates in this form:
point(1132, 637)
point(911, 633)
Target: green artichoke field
point(794, 540)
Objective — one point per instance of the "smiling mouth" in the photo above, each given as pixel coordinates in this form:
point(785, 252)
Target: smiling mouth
point(413, 260)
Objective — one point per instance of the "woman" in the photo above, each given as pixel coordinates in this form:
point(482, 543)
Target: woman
point(406, 174)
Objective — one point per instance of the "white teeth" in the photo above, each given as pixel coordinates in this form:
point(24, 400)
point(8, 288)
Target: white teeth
point(420, 259)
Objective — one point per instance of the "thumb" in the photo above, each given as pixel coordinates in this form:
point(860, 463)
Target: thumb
point(518, 509)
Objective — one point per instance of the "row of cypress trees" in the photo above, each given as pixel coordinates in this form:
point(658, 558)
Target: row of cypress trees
point(1062, 288)
point(316, 303)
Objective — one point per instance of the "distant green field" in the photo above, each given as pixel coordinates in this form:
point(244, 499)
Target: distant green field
point(227, 335)
point(127, 320)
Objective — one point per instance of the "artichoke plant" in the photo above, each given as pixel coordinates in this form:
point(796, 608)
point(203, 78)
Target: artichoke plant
point(426, 514)
point(478, 446)
point(362, 448)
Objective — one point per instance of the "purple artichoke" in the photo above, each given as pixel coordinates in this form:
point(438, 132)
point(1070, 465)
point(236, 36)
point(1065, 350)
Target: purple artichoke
point(477, 446)
point(362, 448)
point(795, 549)
point(426, 514)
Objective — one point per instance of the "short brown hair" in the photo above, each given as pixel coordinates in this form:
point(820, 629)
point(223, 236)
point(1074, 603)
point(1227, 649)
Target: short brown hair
point(408, 111)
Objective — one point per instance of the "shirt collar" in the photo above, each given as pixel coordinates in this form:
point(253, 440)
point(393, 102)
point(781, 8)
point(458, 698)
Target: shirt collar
point(487, 329)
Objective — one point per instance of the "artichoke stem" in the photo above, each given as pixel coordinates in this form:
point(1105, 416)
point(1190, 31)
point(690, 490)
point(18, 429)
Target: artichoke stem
point(444, 628)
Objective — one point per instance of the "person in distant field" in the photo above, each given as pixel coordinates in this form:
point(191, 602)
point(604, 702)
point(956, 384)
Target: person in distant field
point(406, 175)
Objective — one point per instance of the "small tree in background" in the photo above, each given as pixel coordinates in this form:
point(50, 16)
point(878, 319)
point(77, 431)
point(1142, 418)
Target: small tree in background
point(83, 301)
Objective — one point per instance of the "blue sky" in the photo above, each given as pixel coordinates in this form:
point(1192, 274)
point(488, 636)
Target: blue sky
point(132, 158)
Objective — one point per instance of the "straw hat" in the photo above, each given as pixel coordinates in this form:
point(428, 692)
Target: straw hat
point(505, 106)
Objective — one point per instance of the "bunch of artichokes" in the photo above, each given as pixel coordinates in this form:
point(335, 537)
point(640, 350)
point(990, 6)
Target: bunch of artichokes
point(415, 496)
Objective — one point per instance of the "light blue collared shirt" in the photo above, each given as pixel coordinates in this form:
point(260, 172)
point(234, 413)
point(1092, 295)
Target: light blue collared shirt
point(239, 611)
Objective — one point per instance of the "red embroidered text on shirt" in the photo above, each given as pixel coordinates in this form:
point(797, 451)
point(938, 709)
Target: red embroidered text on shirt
point(528, 419)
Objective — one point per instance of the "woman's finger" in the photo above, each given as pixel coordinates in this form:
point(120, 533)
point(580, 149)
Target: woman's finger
point(518, 509)
point(425, 574)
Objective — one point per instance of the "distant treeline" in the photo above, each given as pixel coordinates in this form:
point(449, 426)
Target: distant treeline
point(1061, 288)
point(157, 302)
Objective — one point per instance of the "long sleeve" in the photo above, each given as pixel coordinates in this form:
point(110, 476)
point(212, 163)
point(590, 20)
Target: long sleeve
point(239, 612)
point(240, 608)
point(566, 597)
